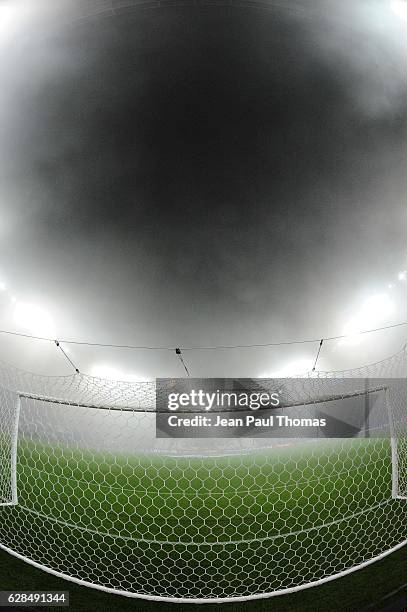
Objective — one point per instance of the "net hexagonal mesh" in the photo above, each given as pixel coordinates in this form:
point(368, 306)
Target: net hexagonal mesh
point(89, 493)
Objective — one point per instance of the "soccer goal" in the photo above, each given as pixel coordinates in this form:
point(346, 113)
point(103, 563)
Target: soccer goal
point(90, 494)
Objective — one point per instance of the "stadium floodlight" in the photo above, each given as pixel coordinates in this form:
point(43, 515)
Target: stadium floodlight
point(374, 311)
point(399, 7)
point(3, 286)
point(402, 275)
point(34, 319)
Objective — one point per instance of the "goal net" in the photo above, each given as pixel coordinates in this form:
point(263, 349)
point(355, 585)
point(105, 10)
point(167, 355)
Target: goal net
point(89, 493)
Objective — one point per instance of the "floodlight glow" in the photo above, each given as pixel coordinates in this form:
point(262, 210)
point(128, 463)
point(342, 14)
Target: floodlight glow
point(399, 7)
point(402, 275)
point(7, 13)
point(112, 373)
point(10, 14)
point(34, 319)
point(295, 368)
point(3, 286)
point(18, 16)
point(378, 307)
point(373, 312)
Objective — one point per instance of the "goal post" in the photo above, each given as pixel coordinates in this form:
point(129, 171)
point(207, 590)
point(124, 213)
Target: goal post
point(396, 400)
point(9, 419)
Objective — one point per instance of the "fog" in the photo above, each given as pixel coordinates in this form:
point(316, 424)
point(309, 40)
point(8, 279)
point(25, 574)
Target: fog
point(202, 175)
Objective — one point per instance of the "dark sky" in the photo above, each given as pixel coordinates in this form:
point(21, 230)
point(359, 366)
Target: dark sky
point(205, 175)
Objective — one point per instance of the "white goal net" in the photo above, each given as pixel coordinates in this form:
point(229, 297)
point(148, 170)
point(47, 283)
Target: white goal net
point(89, 493)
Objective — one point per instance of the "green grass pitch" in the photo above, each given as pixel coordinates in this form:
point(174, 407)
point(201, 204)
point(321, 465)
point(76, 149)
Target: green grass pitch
point(205, 527)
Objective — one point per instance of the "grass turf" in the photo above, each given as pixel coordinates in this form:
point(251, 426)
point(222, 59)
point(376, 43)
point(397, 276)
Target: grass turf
point(205, 527)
